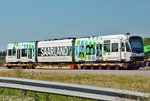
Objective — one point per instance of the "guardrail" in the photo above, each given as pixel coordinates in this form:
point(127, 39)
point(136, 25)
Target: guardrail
point(75, 90)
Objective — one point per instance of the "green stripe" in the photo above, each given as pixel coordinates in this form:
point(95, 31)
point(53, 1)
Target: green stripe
point(147, 49)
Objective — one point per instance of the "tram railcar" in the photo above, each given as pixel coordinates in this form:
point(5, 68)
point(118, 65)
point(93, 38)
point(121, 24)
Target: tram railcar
point(117, 49)
point(21, 52)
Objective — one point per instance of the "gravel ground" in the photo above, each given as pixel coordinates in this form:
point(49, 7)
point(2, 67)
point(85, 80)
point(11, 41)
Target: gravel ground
point(140, 72)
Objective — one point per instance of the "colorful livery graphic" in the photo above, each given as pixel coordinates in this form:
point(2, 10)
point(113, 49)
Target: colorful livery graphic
point(112, 51)
point(147, 55)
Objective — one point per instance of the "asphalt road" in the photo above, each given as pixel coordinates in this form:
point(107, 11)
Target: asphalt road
point(140, 72)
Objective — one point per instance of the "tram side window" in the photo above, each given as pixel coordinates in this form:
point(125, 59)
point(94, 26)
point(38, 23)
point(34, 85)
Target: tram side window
point(107, 45)
point(122, 47)
point(24, 52)
point(14, 52)
point(9, 52)
point(99, 49)
point(114, 47)
point(127, 47)
point(39, 52)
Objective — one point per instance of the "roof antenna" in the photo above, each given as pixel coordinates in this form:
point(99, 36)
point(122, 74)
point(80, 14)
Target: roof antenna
point(128, 34)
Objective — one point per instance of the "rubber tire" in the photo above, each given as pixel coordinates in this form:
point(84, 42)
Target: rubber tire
point(148, 63)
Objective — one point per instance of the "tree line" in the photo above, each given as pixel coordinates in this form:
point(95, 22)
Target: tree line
point(2, 53)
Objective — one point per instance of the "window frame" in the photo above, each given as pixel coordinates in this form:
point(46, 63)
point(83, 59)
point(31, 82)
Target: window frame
point(127, 44)
point(14, 51)
point(9, 52)
point(123, 47)
point(23, 54)
point(107, 42)
point(112, 49)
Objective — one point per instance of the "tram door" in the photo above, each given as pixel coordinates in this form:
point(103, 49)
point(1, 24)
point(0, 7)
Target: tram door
point(30, 54)
point(115, 51)
point(18, 53)
point(128, 51)
point(123, 52)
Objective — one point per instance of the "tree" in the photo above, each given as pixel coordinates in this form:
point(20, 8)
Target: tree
point(2, 53)
point(146, 41)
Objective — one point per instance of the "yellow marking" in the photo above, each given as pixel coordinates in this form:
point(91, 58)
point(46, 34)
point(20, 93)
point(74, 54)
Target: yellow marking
point(102, 64)
point(52, 67)
point(112, 64)
point(17, 65)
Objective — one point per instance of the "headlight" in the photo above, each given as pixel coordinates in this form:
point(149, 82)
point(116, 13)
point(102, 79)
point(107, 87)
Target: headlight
point(142, 54)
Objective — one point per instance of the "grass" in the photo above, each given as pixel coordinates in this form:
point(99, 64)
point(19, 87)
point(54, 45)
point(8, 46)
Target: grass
point(2, 60)
point(1, 63)
point(20, 95)
point(134, 83)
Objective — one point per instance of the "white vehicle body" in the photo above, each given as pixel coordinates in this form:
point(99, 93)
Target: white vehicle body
point(112, 48)
point(55, 51)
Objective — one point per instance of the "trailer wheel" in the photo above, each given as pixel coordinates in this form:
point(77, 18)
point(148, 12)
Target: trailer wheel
point(147, 63)
point(8, 67)
point(26, 67)
point(100, 67)
point(117, 67)
point(92, 67)
point(16, 67)
point(108, 67)
point(137, 67)
point(84, 67)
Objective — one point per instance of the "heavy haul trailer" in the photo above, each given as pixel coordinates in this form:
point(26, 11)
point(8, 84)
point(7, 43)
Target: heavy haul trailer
point(113, 51)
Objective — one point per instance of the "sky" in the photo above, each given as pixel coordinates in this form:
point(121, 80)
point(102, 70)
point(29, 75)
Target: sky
point(32, 20)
